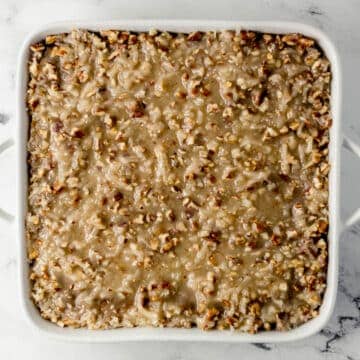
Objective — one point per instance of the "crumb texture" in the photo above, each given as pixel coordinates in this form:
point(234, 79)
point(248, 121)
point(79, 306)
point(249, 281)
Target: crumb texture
point(178, 180)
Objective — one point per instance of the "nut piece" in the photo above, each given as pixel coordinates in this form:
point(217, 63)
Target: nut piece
point(195, 36)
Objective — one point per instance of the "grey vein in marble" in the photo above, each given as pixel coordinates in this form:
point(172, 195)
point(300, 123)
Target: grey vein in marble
point(4, 118)
point(315, 11)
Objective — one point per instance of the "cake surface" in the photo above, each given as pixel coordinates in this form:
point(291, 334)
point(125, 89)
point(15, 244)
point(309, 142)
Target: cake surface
point(178, 180)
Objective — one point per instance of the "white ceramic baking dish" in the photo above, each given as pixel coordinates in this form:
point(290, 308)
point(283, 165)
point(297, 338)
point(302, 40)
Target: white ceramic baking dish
point(152, 334)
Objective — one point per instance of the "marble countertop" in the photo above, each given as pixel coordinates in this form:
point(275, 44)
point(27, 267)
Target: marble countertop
point(341, 337)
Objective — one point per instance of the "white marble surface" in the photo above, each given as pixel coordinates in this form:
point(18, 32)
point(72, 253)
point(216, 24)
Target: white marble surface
point(340, 19)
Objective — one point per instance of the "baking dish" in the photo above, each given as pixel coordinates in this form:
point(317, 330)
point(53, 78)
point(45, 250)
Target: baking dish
point(152, 334)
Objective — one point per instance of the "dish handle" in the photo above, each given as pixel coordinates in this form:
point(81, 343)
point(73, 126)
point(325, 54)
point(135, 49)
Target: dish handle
point(355, 149)
point(4, 146)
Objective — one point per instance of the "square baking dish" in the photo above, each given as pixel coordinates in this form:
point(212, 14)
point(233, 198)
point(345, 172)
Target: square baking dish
point(167, 334)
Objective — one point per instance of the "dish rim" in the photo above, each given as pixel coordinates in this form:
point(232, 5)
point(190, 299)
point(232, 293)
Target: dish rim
point(170, 334)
